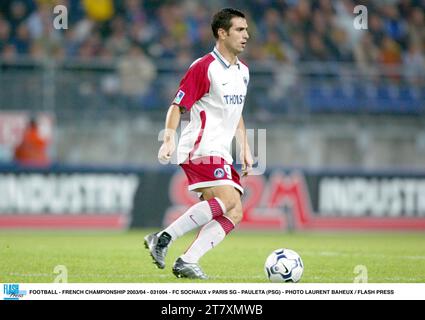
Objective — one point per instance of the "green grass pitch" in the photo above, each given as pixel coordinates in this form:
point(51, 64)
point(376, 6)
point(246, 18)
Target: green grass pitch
point(101, 257)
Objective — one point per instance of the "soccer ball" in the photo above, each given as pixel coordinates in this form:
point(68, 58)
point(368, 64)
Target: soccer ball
point(284, 265)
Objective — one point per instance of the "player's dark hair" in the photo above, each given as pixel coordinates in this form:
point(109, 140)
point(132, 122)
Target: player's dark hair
point(222, 20)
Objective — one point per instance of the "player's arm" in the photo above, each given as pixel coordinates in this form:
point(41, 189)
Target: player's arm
point(193, 86)
point(245, 155)
point(172, 121)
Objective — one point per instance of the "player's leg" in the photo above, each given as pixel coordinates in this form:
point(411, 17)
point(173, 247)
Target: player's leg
point(200, 213)
point(196, 216)
point(210, 235)
point(216, 230)
point(231, 197)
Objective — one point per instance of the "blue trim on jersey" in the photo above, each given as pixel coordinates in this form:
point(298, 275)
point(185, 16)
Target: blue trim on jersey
point(221, 59)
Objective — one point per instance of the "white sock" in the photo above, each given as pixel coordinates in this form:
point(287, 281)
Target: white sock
point(196, 216)
point(209, 237)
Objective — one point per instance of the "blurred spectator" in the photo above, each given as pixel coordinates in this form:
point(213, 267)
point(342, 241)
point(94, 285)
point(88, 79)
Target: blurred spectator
point(316, 48)
point(414, 64)
point(275, 49)
point(9, 53)
point(390, 56)
point(284, 35)
point(344, 19)
point(320, 30)
point(376, 28)
point(134, 11)
point(340, 46)
point(204, 43)
point(304, 13)
point(18, 13)
point(118, 43)
point(32, 150)
point(196, 19)
point(366, 55)
point(136, 72)
point(22, 39)
point(99, 10)
point(284, 84)
point(39, 20)
point(4, 34)
point(272, 23)
point(416, 27)
point(394, 26)
point(299, 45)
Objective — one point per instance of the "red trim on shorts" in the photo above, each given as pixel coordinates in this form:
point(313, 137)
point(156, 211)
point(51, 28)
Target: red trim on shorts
point(225, 223)
point(203, 117)
point(209, 171)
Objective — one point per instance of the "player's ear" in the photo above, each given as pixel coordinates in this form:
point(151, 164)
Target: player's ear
point(221, 33)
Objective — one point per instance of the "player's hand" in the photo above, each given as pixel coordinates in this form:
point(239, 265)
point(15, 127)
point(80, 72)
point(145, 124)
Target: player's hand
point(247, 161)
point(166, 150)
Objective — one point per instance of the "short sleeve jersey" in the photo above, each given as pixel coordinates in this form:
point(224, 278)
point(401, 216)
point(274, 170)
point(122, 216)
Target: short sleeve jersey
point(214, 92)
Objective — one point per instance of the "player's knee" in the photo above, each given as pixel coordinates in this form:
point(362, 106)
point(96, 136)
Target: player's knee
point(229, 199)
point(228, 196)
point(229, 202)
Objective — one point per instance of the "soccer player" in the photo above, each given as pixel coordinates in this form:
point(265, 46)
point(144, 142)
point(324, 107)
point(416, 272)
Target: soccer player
point(213, 90)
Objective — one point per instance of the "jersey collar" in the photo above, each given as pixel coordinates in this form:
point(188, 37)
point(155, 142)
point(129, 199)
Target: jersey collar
point(223, 60)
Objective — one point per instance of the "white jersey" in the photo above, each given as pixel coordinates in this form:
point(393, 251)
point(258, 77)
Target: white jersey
point(214, 91)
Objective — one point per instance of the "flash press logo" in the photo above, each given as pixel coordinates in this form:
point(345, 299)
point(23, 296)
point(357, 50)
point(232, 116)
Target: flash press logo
point(12, 292)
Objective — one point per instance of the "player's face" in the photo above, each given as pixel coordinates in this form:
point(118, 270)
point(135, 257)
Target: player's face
point(237, 36)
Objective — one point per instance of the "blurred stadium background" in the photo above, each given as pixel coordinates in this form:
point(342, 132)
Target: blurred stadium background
point(343, 110)
point(329, 95)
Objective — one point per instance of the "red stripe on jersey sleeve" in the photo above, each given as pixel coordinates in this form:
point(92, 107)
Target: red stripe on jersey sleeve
point(203, 117)
point(195, 83)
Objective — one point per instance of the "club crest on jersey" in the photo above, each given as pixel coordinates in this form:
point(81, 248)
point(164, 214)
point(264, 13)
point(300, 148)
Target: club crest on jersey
point(245, 80)
point(219, 173)
point(179, 97)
